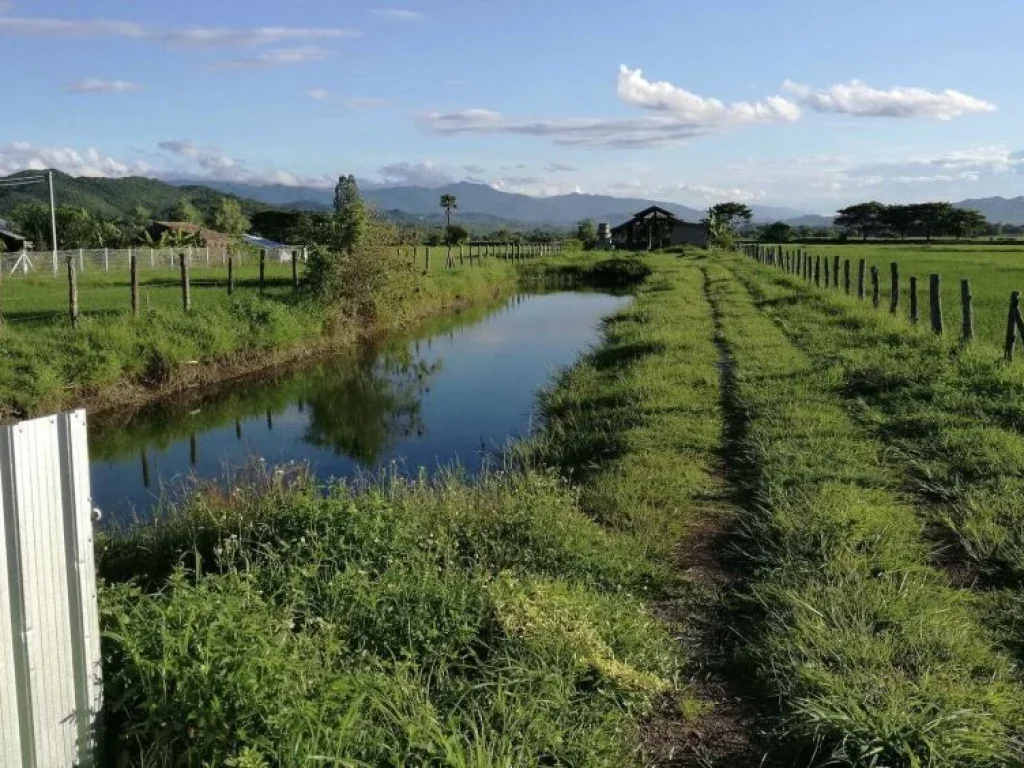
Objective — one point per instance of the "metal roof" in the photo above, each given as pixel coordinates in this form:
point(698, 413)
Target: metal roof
point(262, 242)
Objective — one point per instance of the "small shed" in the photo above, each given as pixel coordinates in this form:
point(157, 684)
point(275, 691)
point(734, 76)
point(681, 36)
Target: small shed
point(11, 240)
point(279, 251)
point(656, 227)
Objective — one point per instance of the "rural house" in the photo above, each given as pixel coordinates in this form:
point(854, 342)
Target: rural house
point(11, 240)
point(208, 237)
point(655, 227)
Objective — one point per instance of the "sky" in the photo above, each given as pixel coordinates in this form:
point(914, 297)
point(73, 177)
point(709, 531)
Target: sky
point(799, 103)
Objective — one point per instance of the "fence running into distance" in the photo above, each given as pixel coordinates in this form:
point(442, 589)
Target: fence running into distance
point(112, 281)
point(821, 271)
point(50, 676)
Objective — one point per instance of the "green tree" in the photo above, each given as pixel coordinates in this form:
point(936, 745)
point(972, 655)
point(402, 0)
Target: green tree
point(731, 214)
point(448, 202)
point(351, 217)
point(185, 211)
point(33, 221)
point(76, 228)
point(899, 218)
point(455, 234)
point(964, 222)
point(229, 218)
point(778, 232)
point(719, 228)
point(933, 218)
point(586, 233)
point(863, 217)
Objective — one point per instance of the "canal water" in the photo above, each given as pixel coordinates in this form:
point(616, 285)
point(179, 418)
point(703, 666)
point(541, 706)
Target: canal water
point(453, 395)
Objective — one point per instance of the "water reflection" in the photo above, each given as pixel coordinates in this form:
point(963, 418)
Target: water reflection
point(468, 385)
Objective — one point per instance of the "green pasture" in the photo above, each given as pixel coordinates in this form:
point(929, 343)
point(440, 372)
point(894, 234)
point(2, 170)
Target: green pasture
point(993, 272)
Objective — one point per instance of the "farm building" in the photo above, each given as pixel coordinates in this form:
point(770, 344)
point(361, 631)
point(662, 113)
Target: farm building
point(208, 237)
point(11, 240)
point(279, 251)
point(655, 227)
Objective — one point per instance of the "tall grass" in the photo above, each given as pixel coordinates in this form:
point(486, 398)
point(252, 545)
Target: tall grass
point(467, 625)
point(874, 656)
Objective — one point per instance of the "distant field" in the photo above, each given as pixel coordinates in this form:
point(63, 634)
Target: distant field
point(43, 297)
point(994, 271)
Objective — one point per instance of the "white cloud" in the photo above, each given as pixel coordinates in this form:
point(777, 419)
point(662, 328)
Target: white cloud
point(209, 37)
point(98, 85)
point(558, 168)
point(690, 109)
point(684, 116)
point(623, 133)
point(861, 100)
point(426, 174)
point(279, 57)
point(318, 94)
point(20, 155)
point(397, 14)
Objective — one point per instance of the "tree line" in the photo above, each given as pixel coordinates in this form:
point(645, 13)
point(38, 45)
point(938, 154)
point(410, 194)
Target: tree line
point(81, 228)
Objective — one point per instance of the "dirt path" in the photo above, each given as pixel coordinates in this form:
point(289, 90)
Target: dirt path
point(726, 733)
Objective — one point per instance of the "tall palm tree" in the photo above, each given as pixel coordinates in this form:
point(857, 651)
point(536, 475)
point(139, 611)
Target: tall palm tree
point(448, 203)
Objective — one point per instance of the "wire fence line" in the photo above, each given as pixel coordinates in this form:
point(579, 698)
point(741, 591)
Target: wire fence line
point(20, 264)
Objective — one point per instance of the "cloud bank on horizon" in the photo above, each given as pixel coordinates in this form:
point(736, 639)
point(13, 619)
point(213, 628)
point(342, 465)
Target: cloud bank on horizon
point(382, 91)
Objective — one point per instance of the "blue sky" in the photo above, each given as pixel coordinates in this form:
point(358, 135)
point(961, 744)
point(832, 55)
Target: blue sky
point(792, 102)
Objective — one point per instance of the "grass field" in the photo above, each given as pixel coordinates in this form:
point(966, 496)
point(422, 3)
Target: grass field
point(994, 271)
point(762, 523)
point(45, 364)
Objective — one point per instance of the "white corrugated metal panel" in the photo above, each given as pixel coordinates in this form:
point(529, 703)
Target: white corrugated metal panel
point(54, 633)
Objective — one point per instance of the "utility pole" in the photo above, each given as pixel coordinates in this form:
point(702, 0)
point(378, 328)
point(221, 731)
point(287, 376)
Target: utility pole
point(53, 221)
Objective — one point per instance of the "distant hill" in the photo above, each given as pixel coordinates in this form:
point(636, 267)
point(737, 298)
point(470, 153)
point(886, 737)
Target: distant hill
point(998, 210)
point(560, 210)
point(810, 220)
point(115, 197)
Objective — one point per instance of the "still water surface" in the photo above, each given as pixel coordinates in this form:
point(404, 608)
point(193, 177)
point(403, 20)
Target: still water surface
point(456, 393)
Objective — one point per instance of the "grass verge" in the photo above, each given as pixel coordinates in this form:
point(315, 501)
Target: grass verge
point(875, 658)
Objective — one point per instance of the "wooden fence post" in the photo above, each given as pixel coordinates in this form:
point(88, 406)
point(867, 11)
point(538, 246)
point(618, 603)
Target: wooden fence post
point(828, 277)
point(914, 314)
point(874, 286)
point(426, 257)
point(231, 273)
point(935, 297)
point(835, 271)
point(1012, 322)
point(263, 269)
point(72, 291)
point(133, 270)
point(817, 270)
point(861, 274)
point(967, 310)
point(846, 275)
point(295, 269)
point(894, 279)
point(186, 296)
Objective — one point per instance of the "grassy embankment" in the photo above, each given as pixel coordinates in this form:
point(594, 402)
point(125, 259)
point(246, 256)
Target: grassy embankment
point(509, 622)
point(112, 356)
point(501, 623)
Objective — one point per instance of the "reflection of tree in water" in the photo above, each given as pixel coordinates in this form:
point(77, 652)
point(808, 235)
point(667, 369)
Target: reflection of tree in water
point(360, 408)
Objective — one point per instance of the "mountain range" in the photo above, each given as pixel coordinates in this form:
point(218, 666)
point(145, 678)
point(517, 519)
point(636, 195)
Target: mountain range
point(479, 205)
point(558, 210)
